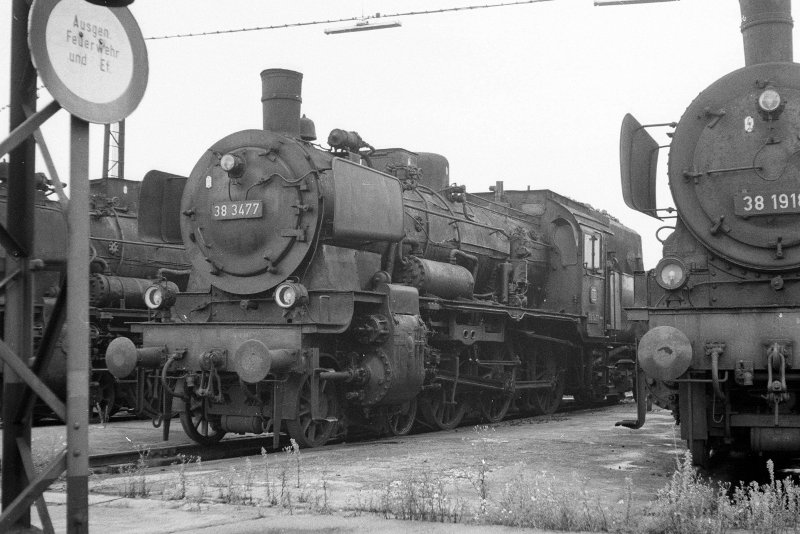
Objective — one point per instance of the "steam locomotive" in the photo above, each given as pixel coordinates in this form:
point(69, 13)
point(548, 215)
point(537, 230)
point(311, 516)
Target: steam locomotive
point(349, 285)
point(723, 303)
point(122, 267)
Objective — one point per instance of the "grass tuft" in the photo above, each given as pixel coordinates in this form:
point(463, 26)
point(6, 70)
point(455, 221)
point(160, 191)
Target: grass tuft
point(544, 502)
point(687, 503)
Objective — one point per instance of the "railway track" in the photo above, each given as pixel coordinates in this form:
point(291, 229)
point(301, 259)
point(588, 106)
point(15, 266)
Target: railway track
point(169, 454)
point(247, 446)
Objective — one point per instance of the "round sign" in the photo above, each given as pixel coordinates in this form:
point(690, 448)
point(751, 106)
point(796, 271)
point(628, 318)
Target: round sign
point(91, 58)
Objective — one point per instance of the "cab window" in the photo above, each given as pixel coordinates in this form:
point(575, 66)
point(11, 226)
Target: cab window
point(591, 252)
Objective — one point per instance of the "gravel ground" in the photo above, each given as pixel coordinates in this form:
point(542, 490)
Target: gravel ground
point(350, 486)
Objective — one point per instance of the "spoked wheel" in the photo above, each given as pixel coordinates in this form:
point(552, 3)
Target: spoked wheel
point(400, 418)
point(440, 411)
point(547, 400)
point(310, 432)
point(195, 423)
point(495, 405)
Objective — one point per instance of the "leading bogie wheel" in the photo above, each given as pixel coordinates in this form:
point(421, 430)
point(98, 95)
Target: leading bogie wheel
point(196, 424)
point(304, 429)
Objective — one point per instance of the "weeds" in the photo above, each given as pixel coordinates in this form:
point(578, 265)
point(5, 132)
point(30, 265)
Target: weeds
point(293, 452)
point(178, 491)
point(546, 503)
point(284, 489)
point(628, 502)
point(135, 479)
point(478, 478)
point(691, 504)
point(269, 485)
point(421, 498)
point(196, 499)
point(770, 507)
point(325, 509)
point(231, 491)
point(687, 503)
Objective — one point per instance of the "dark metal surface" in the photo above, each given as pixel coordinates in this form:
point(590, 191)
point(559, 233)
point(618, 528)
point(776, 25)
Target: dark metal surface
point(18, 316)
point(638, 160)
point(766, 30)
point(78, 332)
point(434, 278)
point(280, 101)
point(26, 128)
point(159, 213)
point(721, 350)
point(307, 311)
point(705, 200)
point(248, 256)
point(380, 197)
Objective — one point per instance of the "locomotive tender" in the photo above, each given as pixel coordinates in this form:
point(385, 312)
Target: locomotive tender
point(350, 285)
point(723, 303)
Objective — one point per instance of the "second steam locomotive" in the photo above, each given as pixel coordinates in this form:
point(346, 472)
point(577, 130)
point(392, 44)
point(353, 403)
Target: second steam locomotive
point(724, 302)
point(354, 285)
point(122, 267)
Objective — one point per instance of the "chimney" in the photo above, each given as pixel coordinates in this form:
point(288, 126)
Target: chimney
point(280, 101)
point(766, 30)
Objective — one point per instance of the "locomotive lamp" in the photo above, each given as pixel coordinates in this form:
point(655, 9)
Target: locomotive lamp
point(671, 274)
point(290, 294)
point(769, 100)
point(232, 164)
point(160, 296)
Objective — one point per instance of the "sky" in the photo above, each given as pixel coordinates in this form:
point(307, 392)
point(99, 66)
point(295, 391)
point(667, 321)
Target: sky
point(532, 95)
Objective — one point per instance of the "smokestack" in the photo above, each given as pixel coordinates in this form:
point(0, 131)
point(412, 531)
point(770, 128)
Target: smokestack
point(280, 101)
point(766, 30)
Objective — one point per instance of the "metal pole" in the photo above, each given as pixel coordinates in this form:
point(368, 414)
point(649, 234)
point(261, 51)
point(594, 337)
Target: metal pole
point(78, 332)
point(121, 150)
point(106, 149)
point(19, 305)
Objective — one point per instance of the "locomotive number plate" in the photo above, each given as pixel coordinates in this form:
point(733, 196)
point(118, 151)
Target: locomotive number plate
point(748, 204)
point(246, 209)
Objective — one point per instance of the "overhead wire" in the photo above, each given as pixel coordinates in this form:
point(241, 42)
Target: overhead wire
point(334, 21)
point(348, 19)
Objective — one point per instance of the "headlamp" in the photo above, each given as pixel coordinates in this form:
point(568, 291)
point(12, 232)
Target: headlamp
point(671, 273)
point(769, 100)
point(232, 164)
point(289, 294)
point(159, 296)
